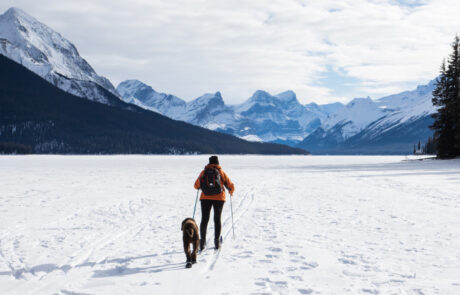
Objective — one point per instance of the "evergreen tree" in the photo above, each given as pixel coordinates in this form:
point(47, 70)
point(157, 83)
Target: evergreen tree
point(446, 96)
point(430, 146)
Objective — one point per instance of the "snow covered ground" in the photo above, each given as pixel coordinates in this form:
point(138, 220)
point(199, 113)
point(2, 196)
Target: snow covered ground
point(303, 225)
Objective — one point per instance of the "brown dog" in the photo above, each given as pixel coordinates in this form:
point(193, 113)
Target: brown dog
point(190, 236)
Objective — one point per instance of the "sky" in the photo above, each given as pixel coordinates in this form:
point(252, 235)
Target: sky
point(325, 51)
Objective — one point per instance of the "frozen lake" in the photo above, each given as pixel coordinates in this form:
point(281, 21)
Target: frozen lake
point(303, 225)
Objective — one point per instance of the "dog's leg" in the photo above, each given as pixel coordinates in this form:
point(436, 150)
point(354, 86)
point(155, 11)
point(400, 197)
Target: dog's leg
point(196, 245)
point(187, 253)
point(187, 250)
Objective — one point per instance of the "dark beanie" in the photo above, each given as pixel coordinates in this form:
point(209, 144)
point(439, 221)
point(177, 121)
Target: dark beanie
point(213, 160)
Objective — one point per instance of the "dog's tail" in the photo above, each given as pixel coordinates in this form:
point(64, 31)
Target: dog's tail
point(190, 232)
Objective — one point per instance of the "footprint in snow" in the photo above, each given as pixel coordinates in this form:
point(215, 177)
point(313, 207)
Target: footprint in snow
point(275, 272)
point(263, 282)
point(370, 291)
point(309, 265)
point(296, 278)
point(271, 256)
point(245, 254)
point(346, 261)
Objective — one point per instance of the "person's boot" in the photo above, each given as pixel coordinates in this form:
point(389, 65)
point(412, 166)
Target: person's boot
point(217, 243)
point(202, 244)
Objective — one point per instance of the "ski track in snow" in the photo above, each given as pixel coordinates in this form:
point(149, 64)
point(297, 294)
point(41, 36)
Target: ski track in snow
point(303, 225)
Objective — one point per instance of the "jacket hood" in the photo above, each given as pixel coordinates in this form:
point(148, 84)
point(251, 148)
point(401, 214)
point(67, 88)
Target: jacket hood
point(213, 166)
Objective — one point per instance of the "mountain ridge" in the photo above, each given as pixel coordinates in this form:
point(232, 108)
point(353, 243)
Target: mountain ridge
point(41, 116)
point(282, 113)
point(332, 127)
point(367, 123)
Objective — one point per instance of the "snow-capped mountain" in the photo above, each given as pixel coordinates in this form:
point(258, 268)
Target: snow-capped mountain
point(364, 121)
point(392, 123)
point(278, 118)
point(46, 53)
point(134, 91)
point(208, 110)
point(38, 117)
point(324, 109)
point(393, 120)
point(355, 116)
point(263, 117)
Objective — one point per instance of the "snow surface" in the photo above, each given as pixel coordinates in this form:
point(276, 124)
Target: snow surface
point(303, 225)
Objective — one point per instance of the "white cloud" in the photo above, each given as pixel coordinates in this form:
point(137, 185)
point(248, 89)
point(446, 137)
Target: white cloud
point(189, 47)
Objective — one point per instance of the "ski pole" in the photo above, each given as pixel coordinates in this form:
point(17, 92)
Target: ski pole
point(196, 200)
point(231, 207)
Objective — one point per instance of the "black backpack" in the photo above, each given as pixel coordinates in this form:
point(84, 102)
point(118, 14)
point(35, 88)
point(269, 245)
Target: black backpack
point(210, 182)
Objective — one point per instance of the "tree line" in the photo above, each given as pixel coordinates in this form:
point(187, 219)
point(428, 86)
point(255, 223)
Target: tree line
point(446, 96)
point(428, 148)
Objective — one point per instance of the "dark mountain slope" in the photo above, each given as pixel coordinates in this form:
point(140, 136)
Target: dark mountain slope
point(37, 114)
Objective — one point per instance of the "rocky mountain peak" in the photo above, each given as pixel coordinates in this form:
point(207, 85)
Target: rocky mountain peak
point(214, 99)
point(287, 96)
point(261, 96)
point(16, 13)
point(45, 52)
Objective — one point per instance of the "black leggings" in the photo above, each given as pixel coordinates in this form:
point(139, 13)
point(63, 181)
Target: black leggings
point(206, 206)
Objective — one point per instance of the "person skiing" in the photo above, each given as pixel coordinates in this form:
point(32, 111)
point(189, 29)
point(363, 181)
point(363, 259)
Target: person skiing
point(212, 181)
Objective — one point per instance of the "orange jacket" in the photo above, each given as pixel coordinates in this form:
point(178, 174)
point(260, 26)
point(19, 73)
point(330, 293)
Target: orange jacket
point(224, 181)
